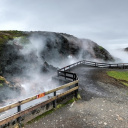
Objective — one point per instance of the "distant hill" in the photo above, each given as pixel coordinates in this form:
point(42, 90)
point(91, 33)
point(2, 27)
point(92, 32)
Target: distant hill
point(48, 46)
point(126, 49)
point(24, 56)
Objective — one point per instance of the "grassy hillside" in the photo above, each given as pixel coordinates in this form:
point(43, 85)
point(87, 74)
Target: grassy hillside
point(121, 76)
point(5, 36)
point(9, 35)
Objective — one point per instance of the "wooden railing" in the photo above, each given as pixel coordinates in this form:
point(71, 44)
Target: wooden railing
point(63, 72)
point(53, 99)
point(92, 64)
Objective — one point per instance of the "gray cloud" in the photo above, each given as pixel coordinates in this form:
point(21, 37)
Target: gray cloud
point(104, 21)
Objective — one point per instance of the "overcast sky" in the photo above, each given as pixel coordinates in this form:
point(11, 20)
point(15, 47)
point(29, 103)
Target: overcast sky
point(103, 21)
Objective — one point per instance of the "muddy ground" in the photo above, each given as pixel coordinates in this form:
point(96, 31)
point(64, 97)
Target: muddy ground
point(104, 104)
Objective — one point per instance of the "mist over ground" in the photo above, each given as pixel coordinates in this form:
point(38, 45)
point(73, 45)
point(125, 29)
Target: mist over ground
point(31, 59)
point(117, 50)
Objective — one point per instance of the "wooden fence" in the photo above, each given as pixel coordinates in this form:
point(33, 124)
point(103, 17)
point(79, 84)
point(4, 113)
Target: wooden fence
point(64, 72)
point(18, 104)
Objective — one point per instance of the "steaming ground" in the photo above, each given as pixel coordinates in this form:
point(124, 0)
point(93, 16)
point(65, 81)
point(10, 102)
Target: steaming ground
point(38, 57)
point(104, 104)
point(35, 74)
point(117, 51)
point(35, 58)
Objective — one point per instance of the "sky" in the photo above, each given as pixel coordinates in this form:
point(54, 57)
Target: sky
point(103, 21)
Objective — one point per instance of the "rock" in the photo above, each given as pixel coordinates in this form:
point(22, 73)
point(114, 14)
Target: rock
point(102, 53)
point(48, 68)
point(105, 123)
point(119, 118)
point(126, 49)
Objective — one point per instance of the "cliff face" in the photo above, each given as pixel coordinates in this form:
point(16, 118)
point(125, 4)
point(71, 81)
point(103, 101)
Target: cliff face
point(126, 49)
point(53, 48)
point(88, 48)
point(24, 56)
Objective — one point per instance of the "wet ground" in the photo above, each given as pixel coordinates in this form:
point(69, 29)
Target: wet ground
point(104, 104)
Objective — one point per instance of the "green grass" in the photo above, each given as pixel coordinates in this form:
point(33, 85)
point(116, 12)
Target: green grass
point(5, 36)
point(101, 48)
point(41, 116)
point(121, 76)
point(118, 75)
point(126, 84)
point(1, 85)
point(2, 80)
point(52, 110)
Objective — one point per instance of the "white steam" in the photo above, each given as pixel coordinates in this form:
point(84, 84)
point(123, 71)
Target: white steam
point(117, 50)
point(33, 80)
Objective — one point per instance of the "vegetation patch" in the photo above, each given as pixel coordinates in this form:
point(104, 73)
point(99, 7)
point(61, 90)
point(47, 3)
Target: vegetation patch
point(124, 83)
point(41, 116)
point(101, 48)
point(5, 36)
point(2, 79)
point(52, 110)
point(1, 85)
point(121, 76)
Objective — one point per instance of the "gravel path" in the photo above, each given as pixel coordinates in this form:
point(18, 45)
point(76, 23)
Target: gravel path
point(103, 104)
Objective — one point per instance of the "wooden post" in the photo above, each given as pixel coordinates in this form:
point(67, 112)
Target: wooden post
point(58, 73)
point(69, 69)
point(19, 118)
point(54, 102)
point(123, 66)
point(76, 91)
point(95, 64)
point(73, 77)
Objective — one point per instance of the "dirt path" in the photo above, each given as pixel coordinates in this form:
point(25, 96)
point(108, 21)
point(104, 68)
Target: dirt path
point(104, 104)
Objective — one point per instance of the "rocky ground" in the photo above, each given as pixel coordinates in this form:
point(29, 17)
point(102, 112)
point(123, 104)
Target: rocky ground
point(104, 104)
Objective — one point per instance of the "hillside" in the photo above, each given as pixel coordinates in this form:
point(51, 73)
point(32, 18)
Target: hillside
point(51, 46)
point(26, 56)
point(126, 49)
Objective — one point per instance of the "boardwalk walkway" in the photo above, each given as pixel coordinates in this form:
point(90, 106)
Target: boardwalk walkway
point(103, 105)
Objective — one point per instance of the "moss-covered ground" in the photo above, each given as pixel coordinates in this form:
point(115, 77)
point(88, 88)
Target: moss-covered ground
point(5, 36)
point(9, 35)
point(54, 109)
point(121, 76)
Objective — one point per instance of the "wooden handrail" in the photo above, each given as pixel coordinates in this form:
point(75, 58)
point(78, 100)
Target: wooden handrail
point(2, 109)
point(8, 119)
point(96, 64)
point(19, 103)
point(63, 70)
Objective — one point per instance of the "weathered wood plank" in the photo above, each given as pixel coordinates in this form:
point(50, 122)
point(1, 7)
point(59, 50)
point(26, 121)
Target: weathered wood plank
point(15, 116)
point(35, 97)
point(62, 87)
point(17, 104)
